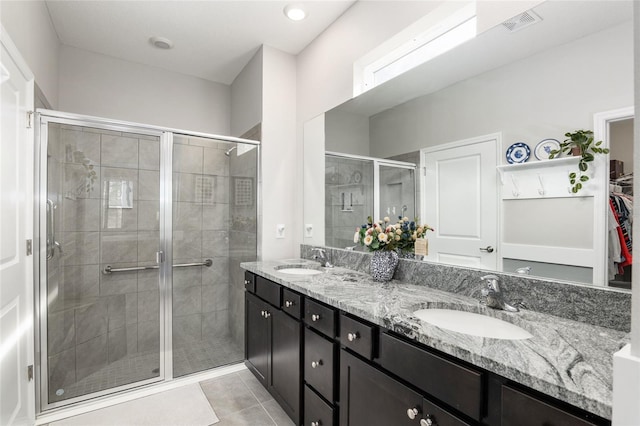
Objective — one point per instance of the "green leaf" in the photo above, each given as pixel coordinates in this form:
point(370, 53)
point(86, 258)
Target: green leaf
point(605, 150)
point(579, 185)
point(574, 189)
point(572, 175)
point(572, 181)
point(598, 143)
point(584, 178)
point(583, 166)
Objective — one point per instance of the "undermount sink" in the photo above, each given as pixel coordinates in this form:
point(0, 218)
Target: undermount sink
point(472, 324)
point(296, 270)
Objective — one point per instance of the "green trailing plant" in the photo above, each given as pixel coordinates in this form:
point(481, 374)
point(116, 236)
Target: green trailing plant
point(582, 141)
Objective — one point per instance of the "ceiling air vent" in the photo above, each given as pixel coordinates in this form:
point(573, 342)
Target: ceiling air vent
point(521, 21)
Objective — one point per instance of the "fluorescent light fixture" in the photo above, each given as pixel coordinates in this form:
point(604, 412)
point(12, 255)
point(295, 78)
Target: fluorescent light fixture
point(295, 12)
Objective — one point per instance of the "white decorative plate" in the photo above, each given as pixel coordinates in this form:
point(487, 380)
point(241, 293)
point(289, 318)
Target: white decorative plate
point(544, 148)
point(518, 153)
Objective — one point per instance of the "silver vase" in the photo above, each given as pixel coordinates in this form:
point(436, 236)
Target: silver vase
point(383, 265)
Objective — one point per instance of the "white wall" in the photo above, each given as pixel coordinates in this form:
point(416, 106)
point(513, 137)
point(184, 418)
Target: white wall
point(246, 97)
point(279, 153)
point(530, 100)
point(30, 28)
point(104, 86)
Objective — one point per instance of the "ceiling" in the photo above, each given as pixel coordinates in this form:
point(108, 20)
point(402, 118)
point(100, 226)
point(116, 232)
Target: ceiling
point(212, 39)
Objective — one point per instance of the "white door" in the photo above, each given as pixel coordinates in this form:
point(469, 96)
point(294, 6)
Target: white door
point(460, 201)
point(16, 226)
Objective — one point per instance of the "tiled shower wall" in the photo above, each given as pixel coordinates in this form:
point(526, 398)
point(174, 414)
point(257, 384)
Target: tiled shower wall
point(200, 231)
point(243, 239)
point(95, 319)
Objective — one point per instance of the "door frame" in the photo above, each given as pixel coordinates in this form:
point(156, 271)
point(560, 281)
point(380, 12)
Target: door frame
point(25, 339)
point(601, 121)
point(42, 120)
point(497, 137)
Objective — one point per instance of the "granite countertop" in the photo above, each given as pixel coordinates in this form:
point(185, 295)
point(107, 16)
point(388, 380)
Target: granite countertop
point(566, 359)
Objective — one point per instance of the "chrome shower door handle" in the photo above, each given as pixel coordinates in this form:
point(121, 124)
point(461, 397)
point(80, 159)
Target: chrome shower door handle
point(52, 243)
point(50, 229)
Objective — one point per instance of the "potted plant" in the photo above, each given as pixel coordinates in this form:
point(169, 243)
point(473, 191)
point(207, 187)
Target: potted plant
point(385, 240)
point(580, 143)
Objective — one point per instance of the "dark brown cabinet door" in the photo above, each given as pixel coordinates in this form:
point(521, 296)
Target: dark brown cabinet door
point(286, 383)
point(520, 409)
point(369, 397)
point(258, 337)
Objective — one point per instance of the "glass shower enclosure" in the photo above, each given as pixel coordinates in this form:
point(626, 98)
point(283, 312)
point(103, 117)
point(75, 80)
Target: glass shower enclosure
point(142, 230)
point(357, 187)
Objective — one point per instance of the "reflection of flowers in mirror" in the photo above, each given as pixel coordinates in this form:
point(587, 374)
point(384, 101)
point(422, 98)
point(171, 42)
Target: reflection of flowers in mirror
point(382, 235)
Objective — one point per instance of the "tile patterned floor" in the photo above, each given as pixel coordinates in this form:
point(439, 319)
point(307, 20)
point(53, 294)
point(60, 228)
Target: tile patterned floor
point(240, 400)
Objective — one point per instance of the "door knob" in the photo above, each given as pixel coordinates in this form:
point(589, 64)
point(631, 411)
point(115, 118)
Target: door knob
point(488, 249)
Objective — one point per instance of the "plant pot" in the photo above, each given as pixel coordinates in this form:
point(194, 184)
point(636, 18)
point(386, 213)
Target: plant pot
point(576, 151)
point(383, 265)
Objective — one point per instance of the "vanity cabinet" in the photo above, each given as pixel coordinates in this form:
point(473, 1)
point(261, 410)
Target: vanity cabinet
point(327, 367)
point(273, 346)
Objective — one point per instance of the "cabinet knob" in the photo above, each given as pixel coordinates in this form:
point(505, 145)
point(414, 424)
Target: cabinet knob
point(246, 282)
point(428, 421)
point(353, 336)
point(267, 314)
point(412, 413)
point(288, 303)
point(316, 423)
point(316, 364)
point(315, 317)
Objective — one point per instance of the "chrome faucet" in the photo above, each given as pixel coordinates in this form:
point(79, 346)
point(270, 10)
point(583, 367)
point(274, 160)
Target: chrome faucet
point(321, 256)
point(494, 296)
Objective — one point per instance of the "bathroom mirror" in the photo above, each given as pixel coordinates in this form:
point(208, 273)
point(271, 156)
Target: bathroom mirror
point(537, 83)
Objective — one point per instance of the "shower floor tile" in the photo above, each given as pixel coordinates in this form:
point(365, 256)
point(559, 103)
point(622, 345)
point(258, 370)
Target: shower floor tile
point(194, 357)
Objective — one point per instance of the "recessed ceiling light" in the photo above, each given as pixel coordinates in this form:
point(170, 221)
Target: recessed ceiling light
point(161, 42)
point(295, 12)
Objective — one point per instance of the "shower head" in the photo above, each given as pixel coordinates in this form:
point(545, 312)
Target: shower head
point(228, 152)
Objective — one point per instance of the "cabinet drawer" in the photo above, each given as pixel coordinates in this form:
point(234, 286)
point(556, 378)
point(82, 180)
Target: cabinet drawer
point(250, 282)
point(320, 317)
point(316, 411)
point(319, 362)
point(357, 336)
point(292, 303)
point(268, 290)
point(439, 416)
point(456, 385)
point(524, 410)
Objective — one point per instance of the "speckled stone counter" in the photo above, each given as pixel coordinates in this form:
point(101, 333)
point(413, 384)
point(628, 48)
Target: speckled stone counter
point(566, 359)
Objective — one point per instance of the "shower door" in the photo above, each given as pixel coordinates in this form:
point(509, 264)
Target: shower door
point(100, 316)
point(397, 191)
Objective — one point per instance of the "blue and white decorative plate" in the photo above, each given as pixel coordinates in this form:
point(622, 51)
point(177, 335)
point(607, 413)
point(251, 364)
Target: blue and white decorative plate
point(544, 148)
point(518, 153)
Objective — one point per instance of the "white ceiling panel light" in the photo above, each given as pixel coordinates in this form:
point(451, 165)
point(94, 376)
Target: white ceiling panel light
point(295, 12)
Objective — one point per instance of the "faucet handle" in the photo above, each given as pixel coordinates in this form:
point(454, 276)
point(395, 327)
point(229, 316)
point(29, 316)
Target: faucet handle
point(492, 282)
point(489, 277)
